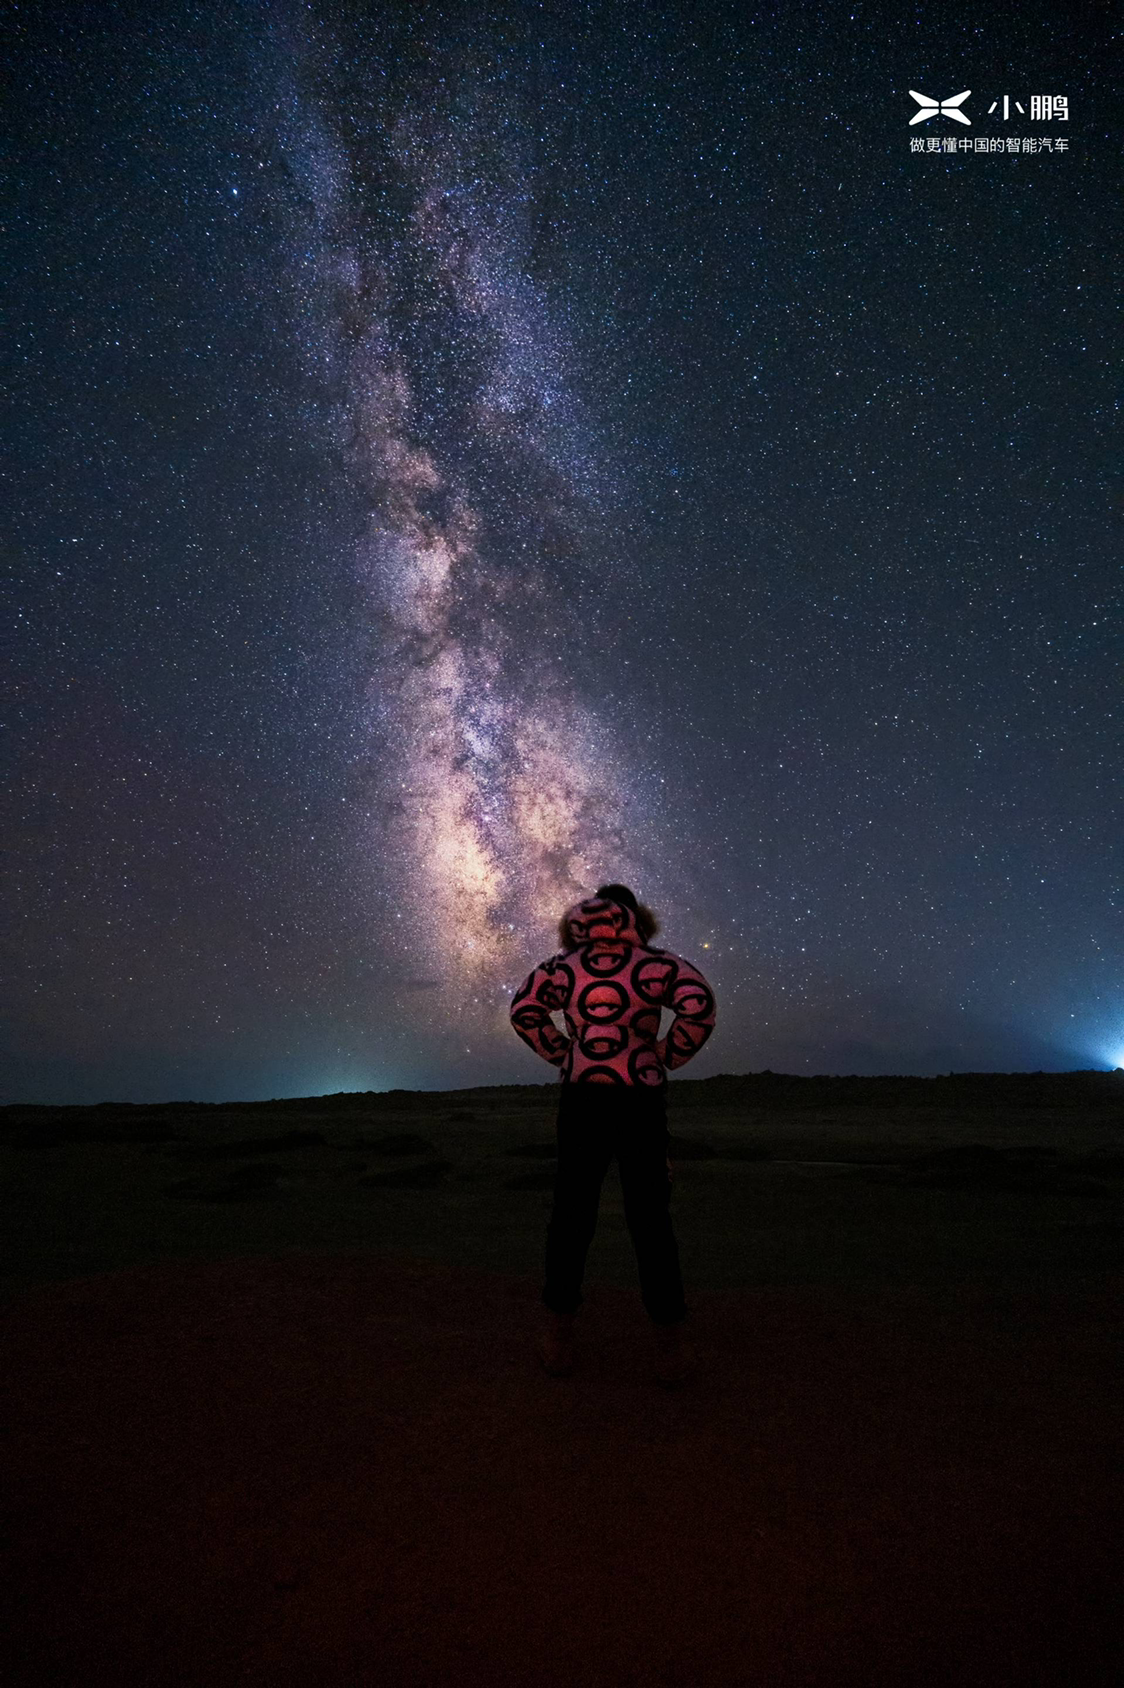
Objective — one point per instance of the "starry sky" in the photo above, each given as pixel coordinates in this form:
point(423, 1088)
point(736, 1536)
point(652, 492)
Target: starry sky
point(462, 454)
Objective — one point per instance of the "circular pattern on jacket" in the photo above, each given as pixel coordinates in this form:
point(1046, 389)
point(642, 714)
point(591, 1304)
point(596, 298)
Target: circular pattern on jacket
point(558, 986)
point(603, 1000)
point(531, 1017)
point(691, 998)
point(553, 1040)
point(646, 1022)
point(601, 1043)
point(644, 1067)
point(651, 977)
point(686, 1038)
point(596, 913)
point(604, 957)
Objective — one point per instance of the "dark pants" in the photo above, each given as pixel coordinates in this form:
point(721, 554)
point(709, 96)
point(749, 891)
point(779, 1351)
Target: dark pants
point(594, 1124)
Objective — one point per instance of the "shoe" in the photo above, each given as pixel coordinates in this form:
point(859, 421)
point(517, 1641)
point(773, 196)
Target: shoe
point(556, 1344)
point(675, 1356)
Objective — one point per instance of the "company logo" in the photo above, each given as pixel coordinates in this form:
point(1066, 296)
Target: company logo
point(939, 108)
point(1044, 108)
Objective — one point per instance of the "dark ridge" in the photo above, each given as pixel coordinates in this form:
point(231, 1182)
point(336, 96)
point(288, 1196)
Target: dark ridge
point(42, 1125)
point(789, 1091)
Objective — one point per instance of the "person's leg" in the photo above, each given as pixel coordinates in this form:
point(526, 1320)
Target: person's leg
point(585, 1148)
point(642, 1140)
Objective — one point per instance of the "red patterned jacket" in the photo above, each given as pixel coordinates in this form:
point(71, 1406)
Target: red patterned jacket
point(610, 989)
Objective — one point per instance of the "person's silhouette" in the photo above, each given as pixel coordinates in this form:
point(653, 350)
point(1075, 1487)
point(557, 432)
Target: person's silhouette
point(610, 983)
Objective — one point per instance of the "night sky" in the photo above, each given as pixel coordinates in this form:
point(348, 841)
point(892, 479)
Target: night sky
point(461, 454)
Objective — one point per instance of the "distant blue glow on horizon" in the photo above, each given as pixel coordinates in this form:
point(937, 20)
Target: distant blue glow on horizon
point(340, 1082)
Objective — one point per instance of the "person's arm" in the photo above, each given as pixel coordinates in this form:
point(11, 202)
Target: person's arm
point(531, 1008)
point(691, 1000)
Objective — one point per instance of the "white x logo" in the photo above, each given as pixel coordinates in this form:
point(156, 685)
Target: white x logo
point(946, 108)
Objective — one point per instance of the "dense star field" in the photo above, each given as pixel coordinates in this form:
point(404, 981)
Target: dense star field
point(460, 455)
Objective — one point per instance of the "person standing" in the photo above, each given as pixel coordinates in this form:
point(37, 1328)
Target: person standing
point(610, 984)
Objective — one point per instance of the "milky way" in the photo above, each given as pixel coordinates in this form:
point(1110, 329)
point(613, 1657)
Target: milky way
point(505, 791)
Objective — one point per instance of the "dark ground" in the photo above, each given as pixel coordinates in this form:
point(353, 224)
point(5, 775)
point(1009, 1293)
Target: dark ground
point(274, 1414)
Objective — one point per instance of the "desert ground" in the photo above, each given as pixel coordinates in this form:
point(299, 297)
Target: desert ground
point(273, 1412)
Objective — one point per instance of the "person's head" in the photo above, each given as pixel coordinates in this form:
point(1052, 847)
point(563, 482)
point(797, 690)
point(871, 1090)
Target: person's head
point(646, 923)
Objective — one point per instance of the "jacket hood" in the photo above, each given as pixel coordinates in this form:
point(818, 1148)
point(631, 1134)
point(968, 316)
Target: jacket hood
point(601, 917)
